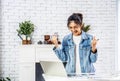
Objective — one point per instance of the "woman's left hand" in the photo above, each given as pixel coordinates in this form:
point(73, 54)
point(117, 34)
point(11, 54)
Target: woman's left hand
point(94, 43)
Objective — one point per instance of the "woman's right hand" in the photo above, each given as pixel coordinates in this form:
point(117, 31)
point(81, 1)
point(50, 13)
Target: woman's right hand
point(54, 40)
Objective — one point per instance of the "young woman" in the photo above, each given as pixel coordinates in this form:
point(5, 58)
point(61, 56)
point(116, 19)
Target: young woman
point(78, 48)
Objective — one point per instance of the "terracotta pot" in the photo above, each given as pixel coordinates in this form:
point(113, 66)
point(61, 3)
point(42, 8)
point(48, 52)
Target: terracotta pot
point(24, 42)
point(29, 42)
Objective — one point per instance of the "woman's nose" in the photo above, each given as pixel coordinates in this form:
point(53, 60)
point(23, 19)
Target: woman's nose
point(73, 28)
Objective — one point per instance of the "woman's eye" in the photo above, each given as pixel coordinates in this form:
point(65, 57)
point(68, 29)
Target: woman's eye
point(70, 27)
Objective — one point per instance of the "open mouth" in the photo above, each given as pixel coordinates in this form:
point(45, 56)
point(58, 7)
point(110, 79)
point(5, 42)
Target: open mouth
point(75, 31)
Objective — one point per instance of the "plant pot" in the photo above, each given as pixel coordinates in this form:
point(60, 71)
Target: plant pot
point(24, 42)
point(29, 42)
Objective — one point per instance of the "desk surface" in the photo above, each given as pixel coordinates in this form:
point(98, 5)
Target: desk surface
point(56, 78)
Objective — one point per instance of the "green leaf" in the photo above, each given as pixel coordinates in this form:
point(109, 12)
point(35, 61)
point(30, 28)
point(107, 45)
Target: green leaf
point(8, 78)
point(3, 79)
point(86, 28)
point(25, 28)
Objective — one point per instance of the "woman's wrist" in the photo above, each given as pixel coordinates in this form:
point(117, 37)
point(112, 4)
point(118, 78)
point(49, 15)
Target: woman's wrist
point(94, 50)
point(56, 45)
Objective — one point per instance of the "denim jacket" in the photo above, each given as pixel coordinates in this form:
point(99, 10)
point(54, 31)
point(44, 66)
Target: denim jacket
point(67, 53)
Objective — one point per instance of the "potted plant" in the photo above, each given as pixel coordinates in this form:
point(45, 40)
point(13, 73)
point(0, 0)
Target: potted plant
point(86, 28)
point(25, 30)
point(5, 79)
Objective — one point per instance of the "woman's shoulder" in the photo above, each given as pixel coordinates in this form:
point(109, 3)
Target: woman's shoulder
point(89, 36)
point(68, 36)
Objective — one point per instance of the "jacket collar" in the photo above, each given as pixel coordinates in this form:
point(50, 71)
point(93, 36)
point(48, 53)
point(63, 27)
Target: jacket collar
point(83, 36)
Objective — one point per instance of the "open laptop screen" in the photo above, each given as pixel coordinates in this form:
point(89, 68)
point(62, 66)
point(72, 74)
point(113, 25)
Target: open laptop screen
point(53, 68)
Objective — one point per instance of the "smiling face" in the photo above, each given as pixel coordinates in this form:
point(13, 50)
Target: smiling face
point(75, 28)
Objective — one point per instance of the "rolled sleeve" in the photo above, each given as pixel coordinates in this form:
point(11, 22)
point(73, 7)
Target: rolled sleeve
point(93, 57)
point(60, 54)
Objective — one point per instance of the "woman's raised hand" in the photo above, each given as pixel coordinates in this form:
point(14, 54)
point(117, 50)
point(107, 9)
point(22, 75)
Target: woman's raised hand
point(54, 40)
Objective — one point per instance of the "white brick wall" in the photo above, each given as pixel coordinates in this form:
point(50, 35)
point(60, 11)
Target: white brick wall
point(118, 35)
point(50, 16)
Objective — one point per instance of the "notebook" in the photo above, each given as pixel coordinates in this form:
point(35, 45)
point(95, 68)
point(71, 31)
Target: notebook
point(53, 68)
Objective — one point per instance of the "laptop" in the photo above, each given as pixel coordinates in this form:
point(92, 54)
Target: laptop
point(53, 68)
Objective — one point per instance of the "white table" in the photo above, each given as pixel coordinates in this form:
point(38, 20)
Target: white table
point(30, 54)
point(56, 78)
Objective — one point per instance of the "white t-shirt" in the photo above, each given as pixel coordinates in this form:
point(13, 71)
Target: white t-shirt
point(77, 40)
